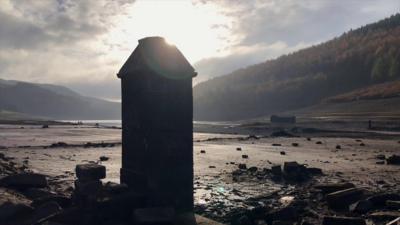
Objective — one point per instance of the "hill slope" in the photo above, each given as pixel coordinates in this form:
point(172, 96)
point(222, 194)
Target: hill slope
point(53, 101)
point(359, 58)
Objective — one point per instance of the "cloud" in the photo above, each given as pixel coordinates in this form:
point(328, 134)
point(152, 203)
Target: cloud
point(288, 25)
point(82, 44)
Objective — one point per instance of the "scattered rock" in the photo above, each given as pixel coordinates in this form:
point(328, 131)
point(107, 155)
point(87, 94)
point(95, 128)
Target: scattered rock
point(238, 149)
point(212, 167)
point(295, 144)
point(393, 160)
point(318, 142)
point(203, 151)
point(275, 144)
point(90, 171)
point(308, 139)
point(283, 153)
point(338, 147)
point(362, 144)
point(45, 126)
point(245, 156)
point(342, 199)
point(24, 180)
point(104, 158)
point(335, 220)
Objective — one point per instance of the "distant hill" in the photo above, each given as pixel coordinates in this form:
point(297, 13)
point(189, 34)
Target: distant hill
point(52, 102)
point(357, 59)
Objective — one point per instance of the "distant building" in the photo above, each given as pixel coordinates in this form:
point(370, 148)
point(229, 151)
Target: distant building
point(157, 127)
point(283, 119)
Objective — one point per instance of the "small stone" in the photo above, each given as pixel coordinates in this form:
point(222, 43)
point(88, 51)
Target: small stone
point(104, 158)
point(381, 157)
point(203, 151)
point(283, 153)
point(238, 149)
point(362, 144)
point(308, 139)
point(253, 169)
point(334, 220)
point(242, 166)
point(318, 142)
point(245, 156)
point(380, 162)
point(90, 171)
point(275, 144)
point(212, 167)
point(295, 144)
point(338, 147)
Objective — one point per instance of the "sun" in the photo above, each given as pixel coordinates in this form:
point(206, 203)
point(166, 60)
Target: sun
point(193, 28)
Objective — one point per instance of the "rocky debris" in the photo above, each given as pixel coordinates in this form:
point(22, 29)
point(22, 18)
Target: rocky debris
point(24, 180)
point(90, 171)
point(211, 167)
point(335, 220)
point(338, 147)
point(362, 144)
point(104, 158)
point(393, 204)
point(384, 215)
point(333, 187)
point(283, 153)
point(362, 206)
point(203, 151)
point(295, 144)
point(318, 142)
point(308, 139)
point(154, 216)
point(238, 149)
point(245, 156)
point(342, 199)
point(393, 160)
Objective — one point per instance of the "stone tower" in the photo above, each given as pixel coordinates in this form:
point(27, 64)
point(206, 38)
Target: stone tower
point(157, 127)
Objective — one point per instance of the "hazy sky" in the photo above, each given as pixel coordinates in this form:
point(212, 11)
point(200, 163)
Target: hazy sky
point(82, 44)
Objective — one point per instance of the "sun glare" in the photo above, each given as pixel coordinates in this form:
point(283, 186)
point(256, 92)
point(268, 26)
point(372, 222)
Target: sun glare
point(193, 28)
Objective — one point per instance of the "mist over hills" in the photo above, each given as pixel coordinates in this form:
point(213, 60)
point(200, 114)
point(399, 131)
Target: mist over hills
point(53, 102)
point(357, 59)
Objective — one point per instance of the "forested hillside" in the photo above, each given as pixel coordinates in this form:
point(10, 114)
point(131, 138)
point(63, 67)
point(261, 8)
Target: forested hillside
point(359, 58)
point(53, 102)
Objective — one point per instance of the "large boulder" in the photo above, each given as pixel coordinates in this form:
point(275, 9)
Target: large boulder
point(90, 171)
point(24, 180)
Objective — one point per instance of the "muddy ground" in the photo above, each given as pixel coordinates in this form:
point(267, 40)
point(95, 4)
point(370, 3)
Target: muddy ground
point(223, 192)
